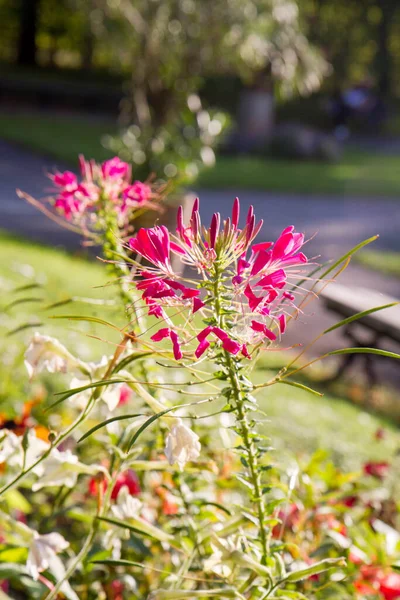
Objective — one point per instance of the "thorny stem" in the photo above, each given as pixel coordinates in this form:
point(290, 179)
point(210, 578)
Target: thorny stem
point(238, 396)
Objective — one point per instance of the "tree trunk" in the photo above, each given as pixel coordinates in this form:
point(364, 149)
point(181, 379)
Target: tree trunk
point(29, 12)
point(384, 57)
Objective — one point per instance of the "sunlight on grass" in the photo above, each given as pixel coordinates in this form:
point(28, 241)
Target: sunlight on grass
point(380, 260)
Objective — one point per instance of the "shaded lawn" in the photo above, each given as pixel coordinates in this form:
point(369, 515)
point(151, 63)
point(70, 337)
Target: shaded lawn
point(299, 421)
point(380, 260)
point(64, 137)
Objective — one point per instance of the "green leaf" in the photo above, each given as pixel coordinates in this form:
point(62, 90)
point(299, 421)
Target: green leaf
point(190, 594)
point(118, 563)
point(16, 501)
point(58, 304)
point(104, 423)
point(148, 423)
point(22, 301)
point(364, 351)
point(129, 359)
point(319, 567)
point(359, 315)
point(85, 318)
point(300, 386)
point(28, 286)
point(348, 254)
point(14, 555)
point(140, 527)
point(78, 390)
point(23, 327)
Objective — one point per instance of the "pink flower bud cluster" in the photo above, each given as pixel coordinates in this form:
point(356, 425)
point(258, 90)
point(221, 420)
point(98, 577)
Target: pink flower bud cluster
point(107, 186)
point(249, 280)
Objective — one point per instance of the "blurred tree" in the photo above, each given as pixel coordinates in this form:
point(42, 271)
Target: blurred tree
point(361, 39)
point(29, 16)
point(171, 45)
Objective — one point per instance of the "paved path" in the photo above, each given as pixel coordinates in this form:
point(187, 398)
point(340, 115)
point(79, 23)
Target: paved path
point(338, 224)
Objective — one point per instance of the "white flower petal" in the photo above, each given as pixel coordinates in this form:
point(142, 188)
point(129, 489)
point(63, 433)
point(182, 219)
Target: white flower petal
point(182, 445)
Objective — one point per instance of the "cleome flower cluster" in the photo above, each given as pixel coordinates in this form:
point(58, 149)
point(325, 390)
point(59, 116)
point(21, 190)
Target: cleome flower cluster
point(106, 186)
point(253, 283)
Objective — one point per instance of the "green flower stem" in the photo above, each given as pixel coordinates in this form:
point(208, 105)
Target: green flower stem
point(238, 397)
point(84, 551)
point(251, 453)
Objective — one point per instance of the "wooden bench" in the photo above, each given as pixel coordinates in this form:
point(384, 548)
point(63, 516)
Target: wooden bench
point(347, 301)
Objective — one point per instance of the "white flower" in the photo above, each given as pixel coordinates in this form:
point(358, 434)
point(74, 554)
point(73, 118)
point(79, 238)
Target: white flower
point(10, 449)
point(181, 445)
point(42, 552)
point(46, 353)
point(112, 394)
point(12, 453)
point(62, 468)
point(126, 506)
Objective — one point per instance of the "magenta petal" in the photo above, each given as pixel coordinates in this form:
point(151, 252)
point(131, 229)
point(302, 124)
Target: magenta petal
point(257, 326)
point(262, 259)
point(288, 296)
point(161, 334)
point(220, 333)
point(235, 213)
point(201, 348)
point(231, 346)
point(276, 279)
point(269, 334)
point(175, 345)
point(282, 323)
point(245, 351)
point(197, 304)
point(262, 246)
point(203, 334)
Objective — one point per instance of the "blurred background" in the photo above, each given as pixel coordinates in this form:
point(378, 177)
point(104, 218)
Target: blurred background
point(293, 106)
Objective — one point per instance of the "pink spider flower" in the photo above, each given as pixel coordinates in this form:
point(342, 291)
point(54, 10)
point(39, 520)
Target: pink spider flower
point(137, 193)
point(100, 189)
point(115, 168)
point(252, 279)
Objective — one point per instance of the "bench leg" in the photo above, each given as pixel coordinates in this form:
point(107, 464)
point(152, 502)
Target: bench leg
point(349, 359)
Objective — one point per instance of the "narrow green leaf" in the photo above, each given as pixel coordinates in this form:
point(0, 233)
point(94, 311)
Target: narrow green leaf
point(78, 390)
point(148, 423)
point(360, 315)
point(28, 286)
point(129, 359)
point(300, 385)
point(21, 301)
point(85, 318)
point(118, 563)
point(107, 422)
point(22, 328)
point(140, 528)
point(319, 567)
point(348, 254)
point(190, 594)
point(216, 504)
point(57, 304)
point(364, 351)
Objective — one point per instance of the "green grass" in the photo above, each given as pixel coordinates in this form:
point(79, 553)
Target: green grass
point(64, 137)
point(356, 173)
point(56, 276)
point(380, 260)
point(299, 421)
point(57, 136)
